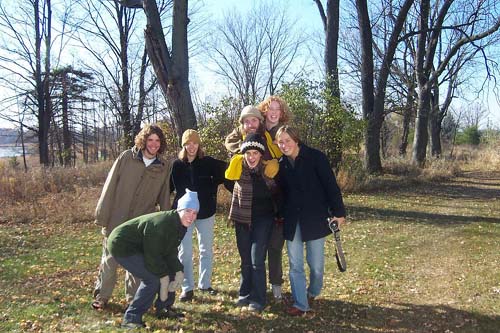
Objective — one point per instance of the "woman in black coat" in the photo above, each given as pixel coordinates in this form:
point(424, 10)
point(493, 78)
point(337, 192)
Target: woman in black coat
point(311, 195)
point(203, 174)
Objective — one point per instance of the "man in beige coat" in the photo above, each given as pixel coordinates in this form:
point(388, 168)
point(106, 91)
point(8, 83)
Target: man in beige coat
point(137, 184)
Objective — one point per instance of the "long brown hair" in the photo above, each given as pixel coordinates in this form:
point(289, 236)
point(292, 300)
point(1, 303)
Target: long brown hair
point(142, 137)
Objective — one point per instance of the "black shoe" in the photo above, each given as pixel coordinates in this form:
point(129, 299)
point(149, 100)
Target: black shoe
point(169, 313)
point(186, 296)
point(209, 291)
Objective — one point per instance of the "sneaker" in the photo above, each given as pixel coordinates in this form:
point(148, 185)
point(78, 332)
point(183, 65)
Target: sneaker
point(277, 292)
point(132, 325)
point(169, 313)
point(254, 307)
point(186, 296)
point(241, 302)
point(99, 304)
point(209, 291)
point(295, 312)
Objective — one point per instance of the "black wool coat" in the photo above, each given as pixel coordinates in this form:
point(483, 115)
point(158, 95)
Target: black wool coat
point(202, 175)
point(310, 194)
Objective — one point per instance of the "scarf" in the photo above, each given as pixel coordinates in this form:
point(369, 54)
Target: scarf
point(241, 202)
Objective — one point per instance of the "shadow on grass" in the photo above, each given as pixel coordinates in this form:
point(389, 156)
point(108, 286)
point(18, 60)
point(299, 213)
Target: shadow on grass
point(362, 213)
point(339, 316)
point(464, 190)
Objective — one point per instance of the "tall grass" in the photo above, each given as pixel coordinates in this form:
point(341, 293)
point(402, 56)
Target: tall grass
point(54, 194)
point(17, 185)
point(35, 194)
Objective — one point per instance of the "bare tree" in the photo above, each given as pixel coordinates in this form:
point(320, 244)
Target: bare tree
point(374, 92)
point(27, 53)
point(171, 65)
point(331, 27)
point(254, 51)
point(477, 22)
point(107, 33)
point(238, 49)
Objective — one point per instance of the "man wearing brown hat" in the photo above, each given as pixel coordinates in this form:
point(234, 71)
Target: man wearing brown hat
point(251, 121)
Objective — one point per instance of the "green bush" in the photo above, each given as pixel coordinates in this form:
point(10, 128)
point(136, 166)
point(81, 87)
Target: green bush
point(470, 135)
point(215, 124)
point(322, 120)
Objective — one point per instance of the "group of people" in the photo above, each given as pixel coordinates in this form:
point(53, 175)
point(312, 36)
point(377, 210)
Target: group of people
point(281, 190)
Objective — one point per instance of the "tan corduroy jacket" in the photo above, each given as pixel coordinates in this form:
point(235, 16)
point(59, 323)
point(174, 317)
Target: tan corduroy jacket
point(132, 189)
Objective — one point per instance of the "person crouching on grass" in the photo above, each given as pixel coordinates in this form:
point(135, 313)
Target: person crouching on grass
point(147, 246)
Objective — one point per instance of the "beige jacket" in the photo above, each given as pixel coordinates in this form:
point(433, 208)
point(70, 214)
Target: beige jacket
point(233, 140)
point(132, 189)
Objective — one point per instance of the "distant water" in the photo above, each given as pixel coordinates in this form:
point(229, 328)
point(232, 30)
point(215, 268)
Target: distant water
point(10, 151)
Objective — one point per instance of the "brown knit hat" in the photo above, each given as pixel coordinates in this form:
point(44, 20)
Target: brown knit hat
point(190, 135)
point(250, 111)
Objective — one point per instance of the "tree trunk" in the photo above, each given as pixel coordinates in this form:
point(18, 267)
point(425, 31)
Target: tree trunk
point(125, 117)
point(435, 123)
point(407, 112)
point(172, 71)
point(65, 122)
point(374, 99)
point(421, 137)
point(21, 130)
point(331, 46)
point(372, 137)
point(142, 93)
point(422, 72)
point(43, 116)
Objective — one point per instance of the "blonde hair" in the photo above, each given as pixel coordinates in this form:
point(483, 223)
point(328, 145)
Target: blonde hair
point(285, 110)
point(182, 155)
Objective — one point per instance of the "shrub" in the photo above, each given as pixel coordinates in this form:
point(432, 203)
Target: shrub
point(322, 120)
point(215, 124)
point(470, 135)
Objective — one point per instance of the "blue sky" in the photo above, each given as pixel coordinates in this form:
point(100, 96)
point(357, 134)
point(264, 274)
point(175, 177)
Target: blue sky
point(306, 13)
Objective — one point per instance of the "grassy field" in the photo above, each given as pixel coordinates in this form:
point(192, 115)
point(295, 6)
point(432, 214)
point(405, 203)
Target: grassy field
point(422, 257)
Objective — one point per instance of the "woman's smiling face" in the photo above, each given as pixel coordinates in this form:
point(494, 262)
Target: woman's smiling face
point(252, 157)
point(288, 146)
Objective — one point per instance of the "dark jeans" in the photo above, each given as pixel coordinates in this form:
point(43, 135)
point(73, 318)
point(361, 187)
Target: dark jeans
point(148, 289)
point(252, 245)
point(274, 257)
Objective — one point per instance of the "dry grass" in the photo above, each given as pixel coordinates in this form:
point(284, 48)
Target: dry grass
point(17, 185)
point(421, 258)
point(399, 171)
point(41, 194)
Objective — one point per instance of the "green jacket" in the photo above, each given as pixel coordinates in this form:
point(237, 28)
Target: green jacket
point(156, 236)
point(132, 189)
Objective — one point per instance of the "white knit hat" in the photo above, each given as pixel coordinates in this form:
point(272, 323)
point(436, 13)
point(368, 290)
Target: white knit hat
point(189, 200)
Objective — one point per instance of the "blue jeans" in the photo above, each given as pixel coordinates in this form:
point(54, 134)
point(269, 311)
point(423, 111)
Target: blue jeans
point(315, 256)
point(205, 233)
point(148, 289)
point(252, 245)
